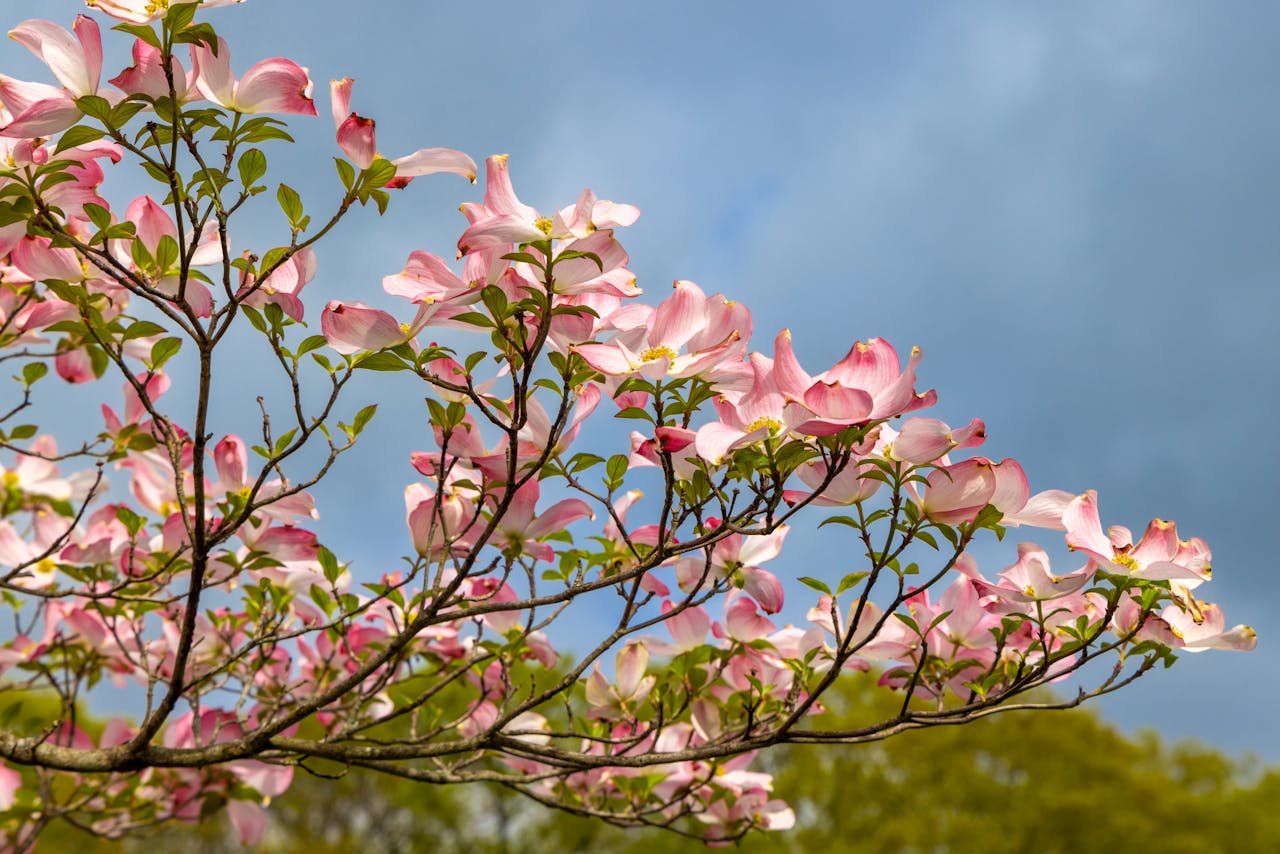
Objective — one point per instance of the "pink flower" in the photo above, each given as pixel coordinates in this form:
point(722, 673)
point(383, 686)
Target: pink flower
point(1158, 556)
point(652, 350)
point(271, 86)
point(284, 284)
point(358, 140)
point(520, 532)
point(502, 220)
point(924, 440)
point(736, 557)
point(1203, 628)
point(147, 76)
point(153, 224)
point(76, 62)
point(957, 493)
point(145, 11)
point(1030, 579)
point(350, 327)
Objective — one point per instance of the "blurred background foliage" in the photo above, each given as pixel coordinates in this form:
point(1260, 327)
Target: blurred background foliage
point(1020, 782)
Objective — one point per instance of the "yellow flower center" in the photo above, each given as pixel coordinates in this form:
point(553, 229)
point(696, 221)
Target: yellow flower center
point(543, 224)
point(1127, 562)
point(11, 479)
point(653, 354)
point(773, 424)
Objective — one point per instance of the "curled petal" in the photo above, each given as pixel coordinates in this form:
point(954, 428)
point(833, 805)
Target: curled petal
point(353, 326)
point(427, 161)
point(358, 140)
point(275, 86)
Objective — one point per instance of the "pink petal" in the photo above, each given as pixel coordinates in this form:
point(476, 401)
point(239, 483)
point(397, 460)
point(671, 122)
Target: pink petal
point(275, 85)
point(76, 64)
point(424, 276)
point(678, 317)
point(42, 118)
point(499, 230)
point(213, 76)
point(559, 516)
point(1011, 490)
point(715, 440)
point(764, 587)
point(632, 661)
point(428, 161)
point(358, 140)
point(689, 627)
point(922, 440)
point(1042, 510)
point(352, 327)
point(744, 623)
point(499, 197)
point(232, 462)
point(152, 222)
point(1084, 527)
point(249, 821)
point(340, 99)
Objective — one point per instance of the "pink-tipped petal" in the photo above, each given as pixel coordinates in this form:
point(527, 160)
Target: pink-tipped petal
point(428, 161)
point(275, 85)
point(357, 138)
point(353, 326)
point(340, 99)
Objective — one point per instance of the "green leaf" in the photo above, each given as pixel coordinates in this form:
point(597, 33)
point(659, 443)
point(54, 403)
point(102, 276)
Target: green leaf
point(132, 521)
point(95, 107)
point(346, 172)
point(33, 372)
point(98, 215)
point(164, 350)
point(290, 203)
point(180, 16)
point(615, 470)
point(23, 431)
point(78, 135)
point(382, 361)
point(201, 33)
point(495, 301)
point(253, 165)
point(328, 564)
point(572, 254)
point(167, 253)
point(474, 318)
point(312, 342)
point(814, 584)
point(141, 257)
point(379, 173)
point(634, 412)
point(147, 34)
point(850, 580)
point(363, 417)
point(124, 111)
point(524, 257)
point(265, 132)
point(284, 441)
point(255, 317)
point(143, 329)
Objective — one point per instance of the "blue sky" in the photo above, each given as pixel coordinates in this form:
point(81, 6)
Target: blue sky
point(1070, 207)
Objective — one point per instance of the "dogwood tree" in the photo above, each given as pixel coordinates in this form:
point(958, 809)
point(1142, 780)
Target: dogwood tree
point(140, 546)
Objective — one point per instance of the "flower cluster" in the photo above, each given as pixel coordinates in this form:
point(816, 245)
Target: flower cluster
point(161, 553)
